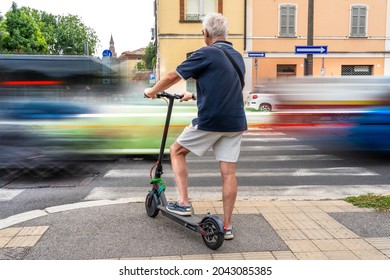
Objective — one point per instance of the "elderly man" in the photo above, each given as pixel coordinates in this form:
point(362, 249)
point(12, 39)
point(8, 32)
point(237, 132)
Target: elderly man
point(218, 70)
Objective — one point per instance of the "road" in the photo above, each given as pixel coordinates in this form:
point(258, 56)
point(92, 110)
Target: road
point(275, 163)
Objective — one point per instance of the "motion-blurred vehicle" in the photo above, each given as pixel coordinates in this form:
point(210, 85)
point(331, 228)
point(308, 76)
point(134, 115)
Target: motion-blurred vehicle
point(371, 130)
point(260, 100)
point(57, 107)
point(331, 99)
point(57, 78)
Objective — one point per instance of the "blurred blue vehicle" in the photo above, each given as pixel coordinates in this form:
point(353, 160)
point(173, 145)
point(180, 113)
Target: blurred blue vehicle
point(41, 110)
point(371, 130)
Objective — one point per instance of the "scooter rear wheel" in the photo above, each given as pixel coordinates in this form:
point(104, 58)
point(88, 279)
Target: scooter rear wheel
point(151, 203)
point(214, 237)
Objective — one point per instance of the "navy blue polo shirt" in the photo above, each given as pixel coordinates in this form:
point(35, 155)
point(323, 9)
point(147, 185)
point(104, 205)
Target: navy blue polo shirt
point(219, 92)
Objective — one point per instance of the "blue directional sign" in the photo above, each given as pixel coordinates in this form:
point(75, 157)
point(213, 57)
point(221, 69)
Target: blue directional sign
point(107, 53)
point(256, 54)
point(311, 49)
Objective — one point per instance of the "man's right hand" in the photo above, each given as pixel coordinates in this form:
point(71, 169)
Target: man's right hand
point(147, 92)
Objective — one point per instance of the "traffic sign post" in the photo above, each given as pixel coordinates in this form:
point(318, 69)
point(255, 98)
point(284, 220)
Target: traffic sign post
point(107, 53)
point(311, 49)
point(256, 54)
point(152, 79)
point(256, 66)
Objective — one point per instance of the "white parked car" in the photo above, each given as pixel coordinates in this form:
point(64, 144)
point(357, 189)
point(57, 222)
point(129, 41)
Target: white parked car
point(260, 101)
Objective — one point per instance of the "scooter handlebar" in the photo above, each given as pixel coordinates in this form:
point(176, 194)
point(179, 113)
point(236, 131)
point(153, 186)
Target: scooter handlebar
point(169, 95)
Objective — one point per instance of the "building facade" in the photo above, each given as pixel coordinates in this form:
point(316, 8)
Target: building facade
point(355, 34)
point(273, 36)
point(179, 31)
point(128, 61)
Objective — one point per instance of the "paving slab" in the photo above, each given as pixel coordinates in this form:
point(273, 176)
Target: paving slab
point(116, 231)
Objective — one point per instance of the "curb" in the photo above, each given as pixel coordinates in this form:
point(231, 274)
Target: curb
point(30, 215)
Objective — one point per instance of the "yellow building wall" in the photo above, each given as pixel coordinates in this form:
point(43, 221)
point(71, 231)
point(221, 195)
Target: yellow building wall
point(331, 28)
point(177, 39)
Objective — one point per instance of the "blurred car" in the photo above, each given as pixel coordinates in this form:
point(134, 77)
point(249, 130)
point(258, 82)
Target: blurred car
point(260, 100)
point(371, 130)
point(56, 107)
point(326, 99)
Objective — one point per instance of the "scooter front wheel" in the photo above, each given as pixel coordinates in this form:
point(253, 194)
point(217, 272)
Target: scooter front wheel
point(151, 203)
point(213, 237)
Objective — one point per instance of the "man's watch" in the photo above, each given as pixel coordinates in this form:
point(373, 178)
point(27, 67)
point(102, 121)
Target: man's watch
point(193, 96)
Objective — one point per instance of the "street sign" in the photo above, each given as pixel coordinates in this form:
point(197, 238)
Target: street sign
point(311, 49)
point(256, 54)
point(152, 79)
point(107, 53)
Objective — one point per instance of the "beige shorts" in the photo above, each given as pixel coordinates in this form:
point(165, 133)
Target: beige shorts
point(225, 145)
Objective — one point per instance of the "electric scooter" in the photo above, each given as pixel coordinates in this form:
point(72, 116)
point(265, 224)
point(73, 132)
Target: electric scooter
point(211, 226)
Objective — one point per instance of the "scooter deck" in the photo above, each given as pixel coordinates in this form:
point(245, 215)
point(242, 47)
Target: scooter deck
point(191, 222)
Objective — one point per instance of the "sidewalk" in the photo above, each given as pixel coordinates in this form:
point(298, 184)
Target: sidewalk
point(264, 230)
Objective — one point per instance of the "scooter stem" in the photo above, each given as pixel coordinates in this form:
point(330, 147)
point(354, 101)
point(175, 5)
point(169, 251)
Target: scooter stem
point(171, 99)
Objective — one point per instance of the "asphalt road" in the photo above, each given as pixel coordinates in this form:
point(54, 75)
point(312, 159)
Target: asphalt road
point(275, 163)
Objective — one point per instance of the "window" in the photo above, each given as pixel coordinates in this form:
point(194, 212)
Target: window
point(358, 21)
point(195, 10)
point(286, 70)
point(287, 17)
point(356, 70)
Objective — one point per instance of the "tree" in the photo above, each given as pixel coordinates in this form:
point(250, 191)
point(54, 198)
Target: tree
point(48, 25)
point(27, 30)
point(72, 35)
point(2, 31)
point(22, 33)
point(139, 66)
point(149, 57)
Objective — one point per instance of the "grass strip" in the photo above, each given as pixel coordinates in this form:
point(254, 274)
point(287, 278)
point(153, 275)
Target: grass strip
point(380, 202)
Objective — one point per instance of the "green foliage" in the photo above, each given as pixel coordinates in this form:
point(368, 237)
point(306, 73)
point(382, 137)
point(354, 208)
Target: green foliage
point(22, 33)
point(72, 35)
point(139, 66)
point(26, 30)
point(150, 56)
point(379, 202)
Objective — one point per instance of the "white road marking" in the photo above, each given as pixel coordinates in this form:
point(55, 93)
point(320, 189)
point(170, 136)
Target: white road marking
point(6, 195)
point(262, 172)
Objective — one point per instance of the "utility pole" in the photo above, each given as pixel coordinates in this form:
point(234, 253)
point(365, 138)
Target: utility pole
point(310, 31)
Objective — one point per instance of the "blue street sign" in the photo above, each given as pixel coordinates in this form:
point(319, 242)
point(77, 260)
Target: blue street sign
point(107, 53)
point(256, 54)
point(311, 49)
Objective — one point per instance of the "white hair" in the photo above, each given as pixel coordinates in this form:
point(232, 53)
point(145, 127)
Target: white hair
point(216, 25)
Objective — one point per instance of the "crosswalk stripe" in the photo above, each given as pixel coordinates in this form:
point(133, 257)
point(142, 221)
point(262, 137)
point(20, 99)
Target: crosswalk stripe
point(199, 193)
point(271, 139)
point(265, 133)
point(260, 129)
point(278, 148)
point(260, 158)
point(6, 195)
point(266, 172)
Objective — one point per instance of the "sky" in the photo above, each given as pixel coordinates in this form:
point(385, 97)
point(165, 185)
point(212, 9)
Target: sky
point(129, 21)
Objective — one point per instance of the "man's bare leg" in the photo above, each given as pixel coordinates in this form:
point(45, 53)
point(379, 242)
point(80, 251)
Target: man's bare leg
point(229, 190)
point(180, 170)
